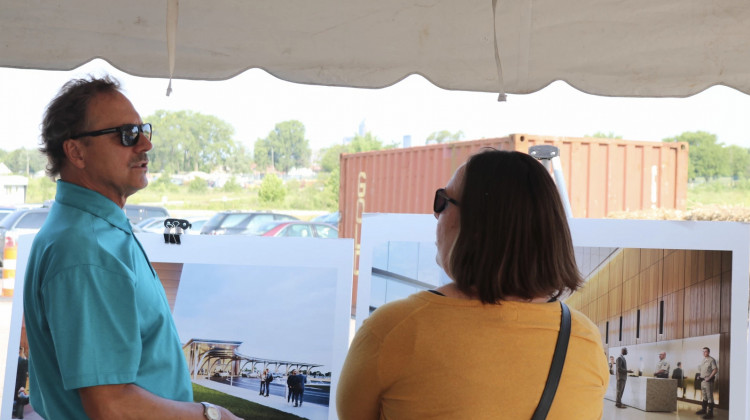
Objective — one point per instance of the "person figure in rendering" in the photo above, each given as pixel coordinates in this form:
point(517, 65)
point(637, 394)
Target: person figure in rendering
point(708, 370)
point(102, 338)
point(21, 400)
point(292, 382)
point(503, 239)
point(622, 376)
point(262, 378)
point(662, 366)
point(268, 379)
point(612, 365)
point(301, 387)
point(22, 372)
point(289, 390)
point(678, 374)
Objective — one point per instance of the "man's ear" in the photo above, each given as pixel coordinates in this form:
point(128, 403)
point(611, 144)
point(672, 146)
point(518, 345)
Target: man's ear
point(75, 151)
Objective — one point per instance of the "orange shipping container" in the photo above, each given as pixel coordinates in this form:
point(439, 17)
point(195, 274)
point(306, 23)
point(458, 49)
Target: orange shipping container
point(602, 176)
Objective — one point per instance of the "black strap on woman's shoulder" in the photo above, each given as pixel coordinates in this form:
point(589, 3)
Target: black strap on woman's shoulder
point(558, 360)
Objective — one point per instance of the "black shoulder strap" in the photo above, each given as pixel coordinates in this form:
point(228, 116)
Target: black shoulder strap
point(557, 365)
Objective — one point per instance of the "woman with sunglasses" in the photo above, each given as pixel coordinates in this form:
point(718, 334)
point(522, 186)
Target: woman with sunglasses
point(481, 346)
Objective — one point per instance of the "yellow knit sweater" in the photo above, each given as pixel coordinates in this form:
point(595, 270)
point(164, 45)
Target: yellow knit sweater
point(435, 357)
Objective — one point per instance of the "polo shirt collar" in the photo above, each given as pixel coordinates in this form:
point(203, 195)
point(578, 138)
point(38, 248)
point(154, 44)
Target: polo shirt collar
point(92, 202)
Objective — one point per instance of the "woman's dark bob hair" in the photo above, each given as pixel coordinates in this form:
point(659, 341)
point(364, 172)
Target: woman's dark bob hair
point(514, 238)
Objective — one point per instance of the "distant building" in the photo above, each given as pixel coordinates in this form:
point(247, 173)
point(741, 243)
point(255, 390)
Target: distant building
point(12, 187)
point(361, 131)
point(301, 173)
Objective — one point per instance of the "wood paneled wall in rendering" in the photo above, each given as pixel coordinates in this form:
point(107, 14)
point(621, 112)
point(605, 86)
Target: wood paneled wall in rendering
point(169, 274)
point(649, 295)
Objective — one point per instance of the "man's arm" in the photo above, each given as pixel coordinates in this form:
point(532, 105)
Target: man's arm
point(712, 374)
point(129, 401)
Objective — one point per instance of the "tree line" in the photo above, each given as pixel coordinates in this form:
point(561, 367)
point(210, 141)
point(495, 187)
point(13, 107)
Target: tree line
point(710, 159)
point(186, 141)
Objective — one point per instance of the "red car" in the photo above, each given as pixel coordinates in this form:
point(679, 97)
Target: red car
point(299, 229)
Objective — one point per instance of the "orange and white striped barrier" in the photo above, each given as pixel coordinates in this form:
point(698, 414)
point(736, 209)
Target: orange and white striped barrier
point(10, 254)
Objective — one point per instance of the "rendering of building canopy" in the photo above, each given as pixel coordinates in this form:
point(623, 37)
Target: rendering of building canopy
point(205, 357)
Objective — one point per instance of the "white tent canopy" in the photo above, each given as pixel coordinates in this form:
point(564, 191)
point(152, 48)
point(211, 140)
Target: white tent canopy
point(611, 47)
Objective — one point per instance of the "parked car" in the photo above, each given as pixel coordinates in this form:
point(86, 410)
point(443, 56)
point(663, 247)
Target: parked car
point(152, 224)
point(156, 225)
point(20, 222)
point(330, 218)
point(240, 222)
point(196, 224)
point(299, 229)
point(138, 212)
point(4, 211)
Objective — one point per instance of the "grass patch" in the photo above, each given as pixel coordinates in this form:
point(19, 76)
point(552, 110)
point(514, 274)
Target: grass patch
point(239, 407)
point(737, 194)
point(299, 196)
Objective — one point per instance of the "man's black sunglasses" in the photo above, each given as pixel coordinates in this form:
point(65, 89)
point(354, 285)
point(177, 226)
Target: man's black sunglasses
point(442, 200)
point(129, 133)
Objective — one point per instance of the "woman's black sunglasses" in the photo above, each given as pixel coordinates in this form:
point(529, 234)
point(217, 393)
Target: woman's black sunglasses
point(129, 133)
point(442, 200)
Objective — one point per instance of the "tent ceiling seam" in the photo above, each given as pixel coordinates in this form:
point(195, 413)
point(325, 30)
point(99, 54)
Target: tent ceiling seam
point(524, 42)
point(172, 15)
point(502, 97)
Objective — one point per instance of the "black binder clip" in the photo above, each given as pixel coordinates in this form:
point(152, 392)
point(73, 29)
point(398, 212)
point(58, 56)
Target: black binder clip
point(173, 228)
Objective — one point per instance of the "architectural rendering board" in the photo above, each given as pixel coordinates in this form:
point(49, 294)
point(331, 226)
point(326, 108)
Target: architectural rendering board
point(245, 304)
point(668, 268)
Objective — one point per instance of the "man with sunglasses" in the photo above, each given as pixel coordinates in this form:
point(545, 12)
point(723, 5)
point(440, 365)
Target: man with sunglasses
point(101, 336)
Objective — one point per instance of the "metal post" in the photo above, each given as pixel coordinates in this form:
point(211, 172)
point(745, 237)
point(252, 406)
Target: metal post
point(549, 156)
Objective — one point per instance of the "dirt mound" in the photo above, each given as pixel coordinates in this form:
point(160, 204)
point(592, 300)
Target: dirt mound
point(717, 213)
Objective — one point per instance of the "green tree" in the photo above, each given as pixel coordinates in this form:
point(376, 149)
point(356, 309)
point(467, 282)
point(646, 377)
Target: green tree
point(331, 188)
point(367, 143)
point(190, 141)
point(262, 155)
point(444, 136)
point(329, 161)
point(330, 157)
point(739, 161)
point(603, 135)
point(284, 148)
point(271, 189)
point(707, 156)
point(19, 160)
point(239, 161)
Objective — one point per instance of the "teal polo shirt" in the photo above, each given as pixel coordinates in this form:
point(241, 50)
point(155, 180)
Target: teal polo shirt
point(95, 310)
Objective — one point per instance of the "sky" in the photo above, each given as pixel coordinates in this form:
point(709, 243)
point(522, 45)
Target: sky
point(255, 101)
point(282, 312)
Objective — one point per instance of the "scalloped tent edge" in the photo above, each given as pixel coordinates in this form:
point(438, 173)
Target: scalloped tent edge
point(627, 48)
